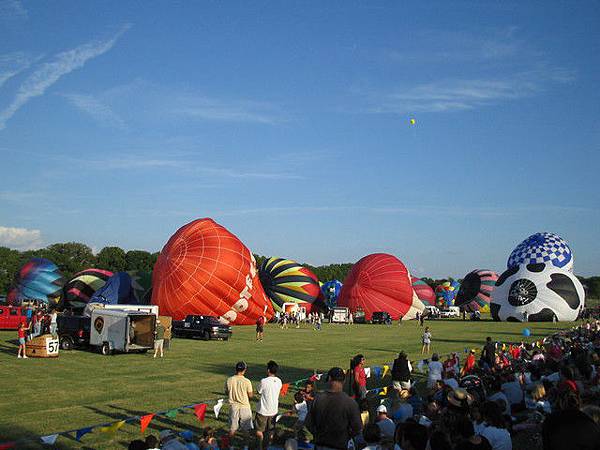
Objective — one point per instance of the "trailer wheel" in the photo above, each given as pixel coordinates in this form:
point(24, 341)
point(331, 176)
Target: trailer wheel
point(105, 349)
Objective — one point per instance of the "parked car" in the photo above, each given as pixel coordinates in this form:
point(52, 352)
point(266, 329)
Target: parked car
point(73, 331)
point(11, 317)
point(452, 311)
point(360, 316)
point(381, 317)
point(204, 327)
point(431, 312)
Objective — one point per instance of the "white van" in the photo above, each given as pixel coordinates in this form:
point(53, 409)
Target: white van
point(449, 312)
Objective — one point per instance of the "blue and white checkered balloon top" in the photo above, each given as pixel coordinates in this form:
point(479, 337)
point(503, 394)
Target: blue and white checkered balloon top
point(543, 248)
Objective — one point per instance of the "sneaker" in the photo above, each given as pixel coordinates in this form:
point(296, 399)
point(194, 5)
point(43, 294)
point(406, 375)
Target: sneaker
point(25, 356)
point(18, 356)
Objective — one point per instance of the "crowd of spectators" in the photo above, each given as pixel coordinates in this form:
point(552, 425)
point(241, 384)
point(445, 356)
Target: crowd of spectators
point(540, 395)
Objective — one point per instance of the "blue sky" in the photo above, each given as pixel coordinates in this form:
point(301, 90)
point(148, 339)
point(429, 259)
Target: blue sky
point(289, 123)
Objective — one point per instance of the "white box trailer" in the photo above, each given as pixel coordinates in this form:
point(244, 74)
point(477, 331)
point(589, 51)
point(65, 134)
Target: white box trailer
point(122, 331)
point(340, 315)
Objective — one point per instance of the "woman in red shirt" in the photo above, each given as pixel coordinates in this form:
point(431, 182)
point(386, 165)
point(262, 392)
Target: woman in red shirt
point(22, 331)
point(469, 364)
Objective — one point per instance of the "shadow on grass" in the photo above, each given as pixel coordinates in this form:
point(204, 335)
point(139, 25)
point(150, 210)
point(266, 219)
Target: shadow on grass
point(25, 439)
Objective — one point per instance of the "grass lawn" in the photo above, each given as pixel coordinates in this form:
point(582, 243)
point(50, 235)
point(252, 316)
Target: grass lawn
point(80, 388)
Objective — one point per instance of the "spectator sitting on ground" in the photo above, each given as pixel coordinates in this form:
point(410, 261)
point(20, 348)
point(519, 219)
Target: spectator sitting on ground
point(467, 439)
point(570, 430)
point(372, 437)
point(495, 427)
point(151, 442)
point(169, 441)
point(385, 424)
point(411, 436)
point(405, 409)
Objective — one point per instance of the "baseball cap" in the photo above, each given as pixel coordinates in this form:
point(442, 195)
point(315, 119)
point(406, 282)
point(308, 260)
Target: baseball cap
point(382, 409)
point(336, 374)
point(240, 365)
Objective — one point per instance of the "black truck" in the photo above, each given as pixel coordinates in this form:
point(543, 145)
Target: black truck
point(204, 327)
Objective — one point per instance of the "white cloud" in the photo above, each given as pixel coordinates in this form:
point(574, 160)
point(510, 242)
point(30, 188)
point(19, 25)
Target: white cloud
point(464, 94)
point(20, 238)
point(205, 108)
point(12, 64)
point(96, 109)
point(49, 73)
point(11, 10)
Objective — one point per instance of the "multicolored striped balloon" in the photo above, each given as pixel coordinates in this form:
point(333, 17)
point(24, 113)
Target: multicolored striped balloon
point(37, 279)
point(423, 291)
point(286, 281)
point(78, 291)
point(476, 290)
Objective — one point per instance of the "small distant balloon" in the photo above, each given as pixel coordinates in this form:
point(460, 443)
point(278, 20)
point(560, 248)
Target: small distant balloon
point(526, 332)
point(413, 121)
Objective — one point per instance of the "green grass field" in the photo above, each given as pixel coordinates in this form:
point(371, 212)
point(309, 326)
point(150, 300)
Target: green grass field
point(80, 388)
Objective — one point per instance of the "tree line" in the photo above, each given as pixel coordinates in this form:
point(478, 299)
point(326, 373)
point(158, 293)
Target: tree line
point(73, 257)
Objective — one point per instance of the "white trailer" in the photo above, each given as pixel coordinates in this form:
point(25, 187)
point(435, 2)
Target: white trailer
point(122, 331)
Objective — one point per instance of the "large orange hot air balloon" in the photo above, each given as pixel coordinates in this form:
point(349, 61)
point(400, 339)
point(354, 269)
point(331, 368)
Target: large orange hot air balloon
point(380, 282)
point(204, 269)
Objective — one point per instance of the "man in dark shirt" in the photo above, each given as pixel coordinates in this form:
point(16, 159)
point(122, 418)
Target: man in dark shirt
point(334, 418)
point(488, 355)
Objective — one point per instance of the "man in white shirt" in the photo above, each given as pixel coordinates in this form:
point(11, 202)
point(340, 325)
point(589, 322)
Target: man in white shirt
point(269, 389)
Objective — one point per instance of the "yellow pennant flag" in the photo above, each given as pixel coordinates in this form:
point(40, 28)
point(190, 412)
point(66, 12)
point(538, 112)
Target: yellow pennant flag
point(383, 392)
point(112, 428)
point(386, 369)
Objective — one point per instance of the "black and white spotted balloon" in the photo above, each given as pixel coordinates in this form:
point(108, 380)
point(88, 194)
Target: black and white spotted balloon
point(537, 293)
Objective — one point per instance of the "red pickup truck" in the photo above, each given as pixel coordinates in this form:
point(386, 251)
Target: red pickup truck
point(12, 316)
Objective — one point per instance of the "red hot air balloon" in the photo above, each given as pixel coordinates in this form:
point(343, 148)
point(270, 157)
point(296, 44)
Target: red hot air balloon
point(204, 269)
point(380, 282)
point(423, 291)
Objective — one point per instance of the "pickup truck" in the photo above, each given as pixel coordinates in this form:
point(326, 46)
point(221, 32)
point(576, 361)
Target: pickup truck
point(204, 327)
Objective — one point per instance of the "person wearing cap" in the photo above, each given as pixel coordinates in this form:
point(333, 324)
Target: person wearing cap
point(239, 390)
point(169, 441)
point(334, 417)
point(268, 407)
point(385, 424)
point(159, 339)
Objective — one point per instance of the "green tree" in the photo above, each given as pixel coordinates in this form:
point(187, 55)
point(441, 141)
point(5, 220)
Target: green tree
point(10, 261)
point(70, 257)
point(140, 260)
point(112, 258)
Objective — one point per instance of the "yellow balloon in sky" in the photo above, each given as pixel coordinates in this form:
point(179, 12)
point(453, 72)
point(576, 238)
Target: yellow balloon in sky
point(413, 121)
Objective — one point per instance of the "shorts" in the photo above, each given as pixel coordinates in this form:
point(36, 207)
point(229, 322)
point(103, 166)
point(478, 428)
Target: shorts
point(264, 423)
point(240, 417)
point(21, 341)
point(259, 328)
point(400, 385)
point(158, 344)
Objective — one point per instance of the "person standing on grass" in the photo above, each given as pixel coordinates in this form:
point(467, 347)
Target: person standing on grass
point(268, 407)
point(334, 417)
point(239, 390)
point(488, 355)
point(359, 377)
point(53, 322)
point(260, 328)
point(426, 341)
point(159, 339)
point(22, 333)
